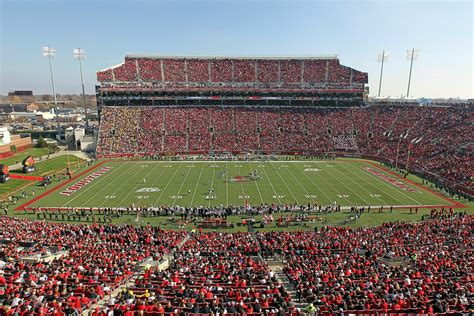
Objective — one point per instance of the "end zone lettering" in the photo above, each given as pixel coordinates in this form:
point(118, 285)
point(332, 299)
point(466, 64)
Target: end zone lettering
point(77, 186)
point(391, 180)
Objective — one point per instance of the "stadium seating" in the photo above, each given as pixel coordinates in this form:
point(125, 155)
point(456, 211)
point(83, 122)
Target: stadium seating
point(283, 72)
point(417, 268)
point(438, 138)
point(149, 69)
point(394, 267)
point(97, 260)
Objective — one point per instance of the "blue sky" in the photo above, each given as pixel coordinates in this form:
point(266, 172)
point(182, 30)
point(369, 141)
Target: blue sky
point(356, 30)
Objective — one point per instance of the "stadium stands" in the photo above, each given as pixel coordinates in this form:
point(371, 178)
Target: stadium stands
point(305, 106)
point(392, 268)
point(97, 260)
point(438, 139)
point(422, 268)
point(301, 73)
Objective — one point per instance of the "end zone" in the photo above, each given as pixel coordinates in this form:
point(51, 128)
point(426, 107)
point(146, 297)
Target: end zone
point(453, 204)
point(48, 192)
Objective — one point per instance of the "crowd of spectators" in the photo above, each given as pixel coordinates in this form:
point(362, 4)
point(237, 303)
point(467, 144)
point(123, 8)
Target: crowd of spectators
point(438, 139)
point(290, 71)
point(268, 71)
point(284, 72)
point(126, 72)
point(419, 268)
point(225, 282)
point(149, 69)
point(96, 260)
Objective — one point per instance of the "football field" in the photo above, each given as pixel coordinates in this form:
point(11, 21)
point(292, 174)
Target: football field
point(197, 183)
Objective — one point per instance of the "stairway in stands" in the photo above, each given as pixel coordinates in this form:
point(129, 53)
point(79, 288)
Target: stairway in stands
point(276, 264)
point(138, 271)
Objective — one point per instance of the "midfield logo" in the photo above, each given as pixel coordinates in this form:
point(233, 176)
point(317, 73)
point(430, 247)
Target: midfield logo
point(148, 190)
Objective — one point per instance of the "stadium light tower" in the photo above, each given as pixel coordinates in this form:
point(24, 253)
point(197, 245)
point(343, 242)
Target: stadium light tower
point(49, 52)
point(383, 57)
point(412, 54)
point(80, 54)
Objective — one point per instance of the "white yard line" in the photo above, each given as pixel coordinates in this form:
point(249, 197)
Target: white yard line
point(93, 184)
point(196, 186)
point(348, 187)
point(324, 193)
point(167, 184)
point(226, 184)
point(134, 188)
point(158, 178)
point(242, 187)
point(212, 185)
point(356, 174)
point(138, 184)
point(284, 182)
point(256, 183)
point(391, 186)
point(302, 186)
point(181, 187)
point(271, 184)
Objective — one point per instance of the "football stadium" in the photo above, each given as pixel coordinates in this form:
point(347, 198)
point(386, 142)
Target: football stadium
point(244, 185)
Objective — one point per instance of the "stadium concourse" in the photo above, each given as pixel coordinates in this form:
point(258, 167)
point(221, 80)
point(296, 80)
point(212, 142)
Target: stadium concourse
point(399, 268)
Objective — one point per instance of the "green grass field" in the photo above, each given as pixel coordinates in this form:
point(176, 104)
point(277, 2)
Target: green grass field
point(18, 158)
point(150, 183)
point(44, 167)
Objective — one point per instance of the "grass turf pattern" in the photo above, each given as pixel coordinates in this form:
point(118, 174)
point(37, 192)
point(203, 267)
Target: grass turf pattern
point(188, 183)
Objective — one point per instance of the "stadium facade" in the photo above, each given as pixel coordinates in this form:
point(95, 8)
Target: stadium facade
point(165, 80)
